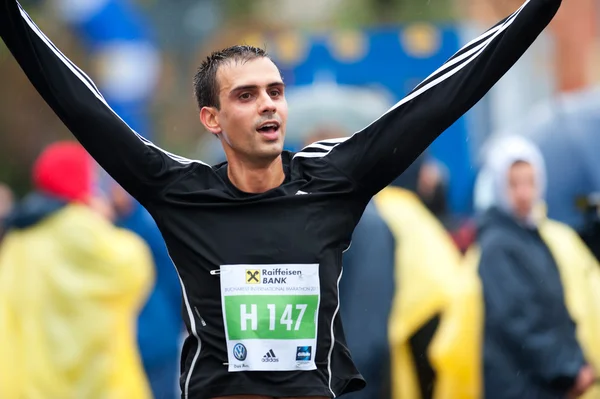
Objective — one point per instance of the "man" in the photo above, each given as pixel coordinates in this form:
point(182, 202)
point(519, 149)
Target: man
point(71, 287)
point(258, 240)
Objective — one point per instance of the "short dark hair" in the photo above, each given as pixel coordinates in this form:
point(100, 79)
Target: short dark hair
point(206, 87)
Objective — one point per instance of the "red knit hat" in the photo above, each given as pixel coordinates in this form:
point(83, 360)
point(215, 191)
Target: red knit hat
point(65, 170)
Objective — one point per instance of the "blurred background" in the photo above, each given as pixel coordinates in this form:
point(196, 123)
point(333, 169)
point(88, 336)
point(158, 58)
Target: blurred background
point(143, 54)
point(344, 62)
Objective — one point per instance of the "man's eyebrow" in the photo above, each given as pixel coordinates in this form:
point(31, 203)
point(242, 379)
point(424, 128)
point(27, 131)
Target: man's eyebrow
point(254, 87)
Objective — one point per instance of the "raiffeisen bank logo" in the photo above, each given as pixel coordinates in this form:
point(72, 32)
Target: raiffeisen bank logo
point(274, 276)
point(278, 276)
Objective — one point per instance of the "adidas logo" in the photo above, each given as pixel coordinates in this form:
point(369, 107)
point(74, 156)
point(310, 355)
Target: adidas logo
point(300, 192)
point(270, 357)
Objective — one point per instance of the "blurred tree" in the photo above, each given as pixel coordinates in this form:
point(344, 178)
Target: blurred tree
point(347, 13)
point(27, 124)
point(371, 12)
point(238, 9)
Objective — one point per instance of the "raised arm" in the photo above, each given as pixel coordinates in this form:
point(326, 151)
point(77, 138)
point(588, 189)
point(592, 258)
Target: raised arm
point(139, 166)
point(373, 157)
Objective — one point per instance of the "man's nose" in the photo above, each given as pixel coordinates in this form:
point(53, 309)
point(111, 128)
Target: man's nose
point(267, 105)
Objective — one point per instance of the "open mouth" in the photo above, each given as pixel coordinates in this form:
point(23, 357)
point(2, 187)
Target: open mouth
point(269, 129)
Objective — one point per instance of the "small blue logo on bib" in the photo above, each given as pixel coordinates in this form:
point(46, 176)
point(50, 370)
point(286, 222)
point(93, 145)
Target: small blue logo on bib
point(303, 353)
point(240, 352)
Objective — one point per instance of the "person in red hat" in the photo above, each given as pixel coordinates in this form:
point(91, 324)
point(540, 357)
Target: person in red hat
point(66, 171)
point(71, 286)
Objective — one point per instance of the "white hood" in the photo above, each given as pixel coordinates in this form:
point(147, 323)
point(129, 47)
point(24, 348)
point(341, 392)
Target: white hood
point(491, 188)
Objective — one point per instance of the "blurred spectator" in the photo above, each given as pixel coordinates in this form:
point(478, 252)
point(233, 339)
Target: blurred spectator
point(580, 276)
point(531, 347)
point(429, 180)
point(6, 205)
point(71, 286)
point(160, 323)
point(564, 128)
point(435, 348)
point(589, 205)
point(432, 187)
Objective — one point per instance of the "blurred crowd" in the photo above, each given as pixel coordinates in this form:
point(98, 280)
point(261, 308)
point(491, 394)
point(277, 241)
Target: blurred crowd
point(502, 304)
point(438, 301)
point(90, 302)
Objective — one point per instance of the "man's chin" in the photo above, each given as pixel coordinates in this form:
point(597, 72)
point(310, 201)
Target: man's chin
point(270, 151)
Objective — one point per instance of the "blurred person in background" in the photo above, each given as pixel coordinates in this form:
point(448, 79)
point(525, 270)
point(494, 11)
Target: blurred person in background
point(7, 200)
point(429, 180)
point(435, 348)
point(589, 205)
point(569, 142)
point(160, 324)
point(71, 287)
point(537, 277)
point(265, 207)
point(432, 188)
point(565, 129)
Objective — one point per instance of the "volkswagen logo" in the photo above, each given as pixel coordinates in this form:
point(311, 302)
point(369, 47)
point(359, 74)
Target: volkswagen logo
point(239, 352)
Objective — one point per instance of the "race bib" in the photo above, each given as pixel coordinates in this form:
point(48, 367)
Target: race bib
point(270, 314)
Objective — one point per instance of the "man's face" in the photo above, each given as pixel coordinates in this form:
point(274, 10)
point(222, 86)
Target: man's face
point(522, 188)
point(253, 113)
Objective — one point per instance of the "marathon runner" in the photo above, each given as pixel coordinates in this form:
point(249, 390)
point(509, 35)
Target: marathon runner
point(258, 240)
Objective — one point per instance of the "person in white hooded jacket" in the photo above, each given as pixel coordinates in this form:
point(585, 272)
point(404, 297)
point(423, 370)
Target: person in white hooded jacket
point(531, 348)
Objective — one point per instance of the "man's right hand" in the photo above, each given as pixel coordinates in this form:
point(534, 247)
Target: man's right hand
point(585, 379)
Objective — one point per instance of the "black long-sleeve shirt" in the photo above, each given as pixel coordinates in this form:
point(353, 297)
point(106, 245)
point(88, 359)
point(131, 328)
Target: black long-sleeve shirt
point(215, 233)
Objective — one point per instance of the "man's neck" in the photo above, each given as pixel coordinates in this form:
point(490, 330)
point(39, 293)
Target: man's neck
point(255, 179)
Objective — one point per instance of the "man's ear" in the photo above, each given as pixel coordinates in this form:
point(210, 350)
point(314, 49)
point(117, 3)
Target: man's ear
point(209, 116)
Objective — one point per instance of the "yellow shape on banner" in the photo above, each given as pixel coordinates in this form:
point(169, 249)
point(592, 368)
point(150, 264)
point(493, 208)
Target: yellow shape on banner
point(348, 46)
point(255, 39)
point(421, 40)
point(291, 47)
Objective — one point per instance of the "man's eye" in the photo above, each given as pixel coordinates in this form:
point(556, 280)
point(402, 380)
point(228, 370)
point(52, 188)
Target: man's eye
point(245, 96)
point(275, 93)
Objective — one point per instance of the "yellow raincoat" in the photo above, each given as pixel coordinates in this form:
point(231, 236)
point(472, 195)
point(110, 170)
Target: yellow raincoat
point(71, 287)
point(580, 276)
point(430, 280)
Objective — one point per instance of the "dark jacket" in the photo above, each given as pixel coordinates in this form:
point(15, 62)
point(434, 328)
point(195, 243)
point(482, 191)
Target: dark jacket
point(366, 295)
point(530, 345)
point(34, 208)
